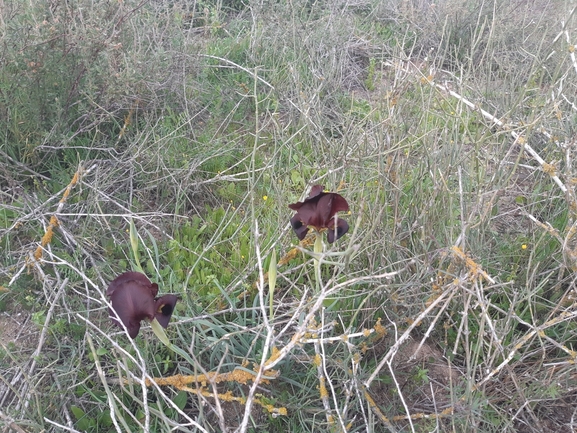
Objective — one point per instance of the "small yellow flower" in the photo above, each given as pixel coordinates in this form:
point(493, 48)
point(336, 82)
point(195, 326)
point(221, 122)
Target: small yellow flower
point(524, 246)
point(265, 197)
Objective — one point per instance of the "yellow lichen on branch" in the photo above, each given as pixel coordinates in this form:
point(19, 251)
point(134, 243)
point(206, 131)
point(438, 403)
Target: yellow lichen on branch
point(47, 238)
point(71, 185)
point(49, 232)
point(446, 412)
point(380, 329)
point(237, 375)
point(273, 356)
point(387, 421)
point(377, 410)
point(473, 267)
point(550, 169)
point(229, 397)
point(323, 392)
point(128, 119)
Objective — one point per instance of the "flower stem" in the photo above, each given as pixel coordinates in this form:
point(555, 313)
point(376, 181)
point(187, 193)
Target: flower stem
point(318, 249)
point(159, 332)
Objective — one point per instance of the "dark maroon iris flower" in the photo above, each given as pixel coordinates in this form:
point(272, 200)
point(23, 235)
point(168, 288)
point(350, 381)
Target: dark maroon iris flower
point(318, 211)
point(133, 298)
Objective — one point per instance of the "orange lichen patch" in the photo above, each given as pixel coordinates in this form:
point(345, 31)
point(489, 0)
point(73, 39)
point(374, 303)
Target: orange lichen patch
point(271, 409)
point(473, 267)
point(306, 242)
point(376, 409)
point(323, 392)
point(73, 182)
point(127, 122)
point(380, 329)
point(273, 355)
point(47, 237)
point(317, 360)
point(229, 397)
point(550, 169)
point(237, 375)
point(178, 381)
point(470, 263)
point(432, 298)
point(437, 288)
point(446, 412)
point(385, 420)
point(54, 221)
point(38, 253)
point(426, 80)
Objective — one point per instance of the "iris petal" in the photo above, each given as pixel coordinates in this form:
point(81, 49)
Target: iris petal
point(299, 228)
point(164, 308)
point(131, 276)
point(132, 296)
point(318, 211)
point(341, 228)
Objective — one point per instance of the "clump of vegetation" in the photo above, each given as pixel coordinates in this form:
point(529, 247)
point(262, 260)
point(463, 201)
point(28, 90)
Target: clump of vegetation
point(169, 138)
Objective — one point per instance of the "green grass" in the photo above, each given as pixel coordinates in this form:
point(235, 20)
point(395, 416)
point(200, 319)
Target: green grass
point(449, 305)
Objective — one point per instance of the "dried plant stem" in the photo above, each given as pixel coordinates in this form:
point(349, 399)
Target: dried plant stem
point(538, 330)
point(323, 392)
point(268, 340)
point(11, 424)
point(328, 380)
point(328, 289)
point(400, 393)
point(47, 238)
point(143, 379)
point(35, 356)
point(393, 350)
point(111, 404)
point(519, 138)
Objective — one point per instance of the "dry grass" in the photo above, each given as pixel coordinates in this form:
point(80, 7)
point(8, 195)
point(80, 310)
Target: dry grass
point(449, 306)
